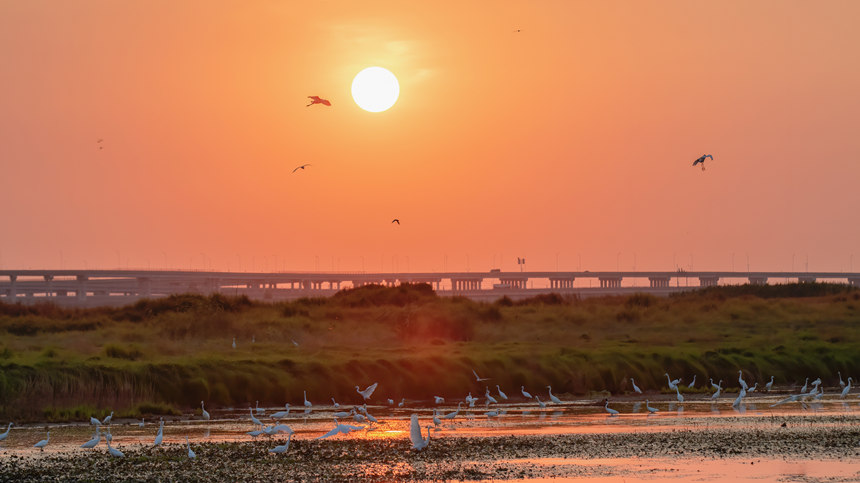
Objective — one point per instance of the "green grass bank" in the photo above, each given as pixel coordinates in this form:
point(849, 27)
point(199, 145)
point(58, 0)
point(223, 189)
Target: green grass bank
point(162, 356)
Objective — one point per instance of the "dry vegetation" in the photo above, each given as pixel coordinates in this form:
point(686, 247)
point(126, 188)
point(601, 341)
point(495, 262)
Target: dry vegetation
point(163, 355)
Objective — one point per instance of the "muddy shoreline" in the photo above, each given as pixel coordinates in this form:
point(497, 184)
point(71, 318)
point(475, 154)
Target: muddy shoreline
point(827, 439)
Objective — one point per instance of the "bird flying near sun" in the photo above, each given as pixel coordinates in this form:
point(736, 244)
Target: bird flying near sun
point(702, 160)
point(396, 220)
point(318, 100)
point(375, 89)
point(300, 167)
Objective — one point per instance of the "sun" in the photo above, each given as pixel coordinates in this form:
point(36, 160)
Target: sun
point(375, 89)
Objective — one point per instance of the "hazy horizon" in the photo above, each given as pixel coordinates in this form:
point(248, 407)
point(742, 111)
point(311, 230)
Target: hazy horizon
point(560, 131)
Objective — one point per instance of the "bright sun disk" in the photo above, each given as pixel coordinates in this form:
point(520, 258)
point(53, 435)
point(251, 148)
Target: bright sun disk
point(375, 89)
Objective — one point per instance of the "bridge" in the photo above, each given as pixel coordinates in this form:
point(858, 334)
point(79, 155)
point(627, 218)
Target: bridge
point(91, 288)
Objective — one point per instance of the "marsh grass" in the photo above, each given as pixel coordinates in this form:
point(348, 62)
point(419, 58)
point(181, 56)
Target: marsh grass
point(171, 353)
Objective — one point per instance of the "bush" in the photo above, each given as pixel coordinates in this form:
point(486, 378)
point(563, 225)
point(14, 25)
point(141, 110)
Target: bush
point(131, 353)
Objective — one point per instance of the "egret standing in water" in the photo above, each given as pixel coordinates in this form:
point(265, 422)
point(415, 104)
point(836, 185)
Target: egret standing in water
point(205, 412)
point(769, 385)
point(526, 394)
point(94, 441)
point(41, 444)
point(191, 454)
point(649, 408)
point(847, 388)
point(501, 394)
point(418, 442)
point(6, 434)
point(115, 452)
point(609, 410)
point(307, 403)
point(635, 387)
point(284, 447)
point(553, 398)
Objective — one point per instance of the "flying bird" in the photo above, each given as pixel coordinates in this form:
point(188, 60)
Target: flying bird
point(396, 220)
point(318, 100)
point(702, 160)
point(300, 167)
point(367, 392)
point(478, 378)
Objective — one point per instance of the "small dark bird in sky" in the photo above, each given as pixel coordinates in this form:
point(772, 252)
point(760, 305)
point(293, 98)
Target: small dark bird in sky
point(99, 142)
point(318, 100)
point(702, 160)
point(300, 167)
point(395, 221)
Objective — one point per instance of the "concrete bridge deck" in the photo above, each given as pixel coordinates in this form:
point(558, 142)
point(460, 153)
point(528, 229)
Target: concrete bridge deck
point(87, 288)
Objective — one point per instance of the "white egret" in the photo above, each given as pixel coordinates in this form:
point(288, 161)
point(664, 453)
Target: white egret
point(359, 418)
point(453, 414)
point(401, 403)
point(257, 432)
point(108, 418)
point(282, 414)
point(159, 437)
point(205, 412)
point(635, 387)
point(94, 441)
point(254, 418)
point(609, 410)
point(256, 407)
point(501, 394)
point(436, 419)
point(841, 382)
point(342, 414)
point(491, 414)
point(367, 392)
point(108, 436)
point(792, 398)
point(95, 421)
point(6, 434)
point(490, 398)
point(307, 403)
point(715, 386)
point(418, 442)
point(672, 384)
point(649, 408)
point(370, 417)
point(678, 392)
point(41, 444)
point(525, 393)
point(115, 452)
point(191, 454)
point(752, 389)
point(438, 399)
point(847, 388)
point(552, 397)
point(390, 402)
point(540, 403)
point(478, 378)
point(335, 404)
point(692, 383)
point(803, 389)
point(769, 385)
point(281, 428)
point(741, 380)
point(284, 447)
point(340, 428)
point(471, 400)
point(717, 393)
point(740, 398)
point(816, 382)
point(142, 423)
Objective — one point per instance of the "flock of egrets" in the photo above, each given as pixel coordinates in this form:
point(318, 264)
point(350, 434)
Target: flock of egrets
point(360, 414)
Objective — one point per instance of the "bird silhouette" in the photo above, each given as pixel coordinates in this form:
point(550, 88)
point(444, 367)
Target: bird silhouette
point(702, 160)
point(318, 100)
point(300, 167)
point(396, 220)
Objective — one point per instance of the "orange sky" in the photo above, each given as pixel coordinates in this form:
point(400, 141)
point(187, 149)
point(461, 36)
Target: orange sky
point(569, 140)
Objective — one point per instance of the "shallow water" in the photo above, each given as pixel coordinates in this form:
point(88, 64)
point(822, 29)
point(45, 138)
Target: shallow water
point(582, 417)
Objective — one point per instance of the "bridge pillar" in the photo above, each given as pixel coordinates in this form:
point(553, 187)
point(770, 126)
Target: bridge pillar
point(144, 285)
point(610, 282)
point(12, 294)
point(709, 281)
point(561, 283)
point(659, 282)
point(81, 289)
point(758, 280)
point(49, 285)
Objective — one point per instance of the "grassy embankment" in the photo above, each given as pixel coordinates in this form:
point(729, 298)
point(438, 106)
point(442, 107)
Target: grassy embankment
point(163, 355)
